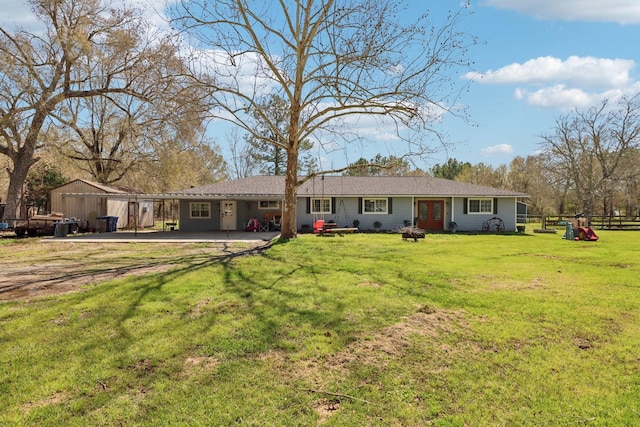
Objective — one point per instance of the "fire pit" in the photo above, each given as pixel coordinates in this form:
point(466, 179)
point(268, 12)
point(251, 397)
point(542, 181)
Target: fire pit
point(414, 233)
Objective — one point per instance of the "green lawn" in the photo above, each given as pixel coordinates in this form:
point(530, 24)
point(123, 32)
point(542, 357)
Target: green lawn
point(365, 329)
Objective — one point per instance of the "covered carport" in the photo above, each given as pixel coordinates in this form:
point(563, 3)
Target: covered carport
point(169, 231)
point(132, 199)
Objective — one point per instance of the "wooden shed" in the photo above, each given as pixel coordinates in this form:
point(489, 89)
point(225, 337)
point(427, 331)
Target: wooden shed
point(84, 200)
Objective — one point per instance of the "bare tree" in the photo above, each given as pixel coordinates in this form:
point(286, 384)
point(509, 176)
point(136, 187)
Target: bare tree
point(110, 136)
point(195, 165)
point(331, 61)
point(590, 148)
point(87, 49)
point(631, 179)
point(483, 174)
point(546, 189)
point(243, 163)
point(107, 144)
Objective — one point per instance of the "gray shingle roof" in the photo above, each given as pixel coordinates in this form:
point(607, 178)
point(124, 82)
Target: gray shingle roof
point(333, 186)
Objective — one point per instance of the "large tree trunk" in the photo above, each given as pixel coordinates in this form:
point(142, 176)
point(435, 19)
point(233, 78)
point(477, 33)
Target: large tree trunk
point(22, 162)
point(289, 228)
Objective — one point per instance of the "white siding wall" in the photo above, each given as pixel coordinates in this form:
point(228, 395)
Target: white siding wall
point(506, 211)
point(347, 209)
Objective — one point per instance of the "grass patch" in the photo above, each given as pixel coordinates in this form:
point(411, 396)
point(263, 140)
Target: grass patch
point(366, 329)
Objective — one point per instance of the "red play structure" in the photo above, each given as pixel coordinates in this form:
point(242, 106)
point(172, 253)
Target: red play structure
point(577, 230)
point(585, 233)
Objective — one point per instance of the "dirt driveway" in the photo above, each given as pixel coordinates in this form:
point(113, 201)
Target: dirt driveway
point(39, 267)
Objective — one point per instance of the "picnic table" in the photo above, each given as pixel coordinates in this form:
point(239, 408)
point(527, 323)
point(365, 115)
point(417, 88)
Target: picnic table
point(337, 230)
point(321, 228)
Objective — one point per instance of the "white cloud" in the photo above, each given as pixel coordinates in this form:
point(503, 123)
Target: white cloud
point(558, 97)
point(371, 127)
point(497, 150)
point(575, 70)
point(561, 97)
point(620, 11)
point(577, 82)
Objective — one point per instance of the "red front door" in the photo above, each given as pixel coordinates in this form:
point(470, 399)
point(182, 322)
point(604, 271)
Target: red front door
point(431, 214)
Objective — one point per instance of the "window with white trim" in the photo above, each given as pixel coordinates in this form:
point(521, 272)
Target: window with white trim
point(269, 204)
point(321, 205)
point(480, 206)
point(375, 206)
point(200, 210)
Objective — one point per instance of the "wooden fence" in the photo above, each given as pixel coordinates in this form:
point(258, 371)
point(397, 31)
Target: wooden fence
point(598, 222)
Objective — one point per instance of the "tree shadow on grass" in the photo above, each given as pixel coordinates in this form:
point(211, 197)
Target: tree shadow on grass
point(277, 304)
point(263, 310)
point(189, 264)
point(48, 279)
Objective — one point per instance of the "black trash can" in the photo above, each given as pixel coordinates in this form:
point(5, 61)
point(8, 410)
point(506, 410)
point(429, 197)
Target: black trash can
point(61, 229)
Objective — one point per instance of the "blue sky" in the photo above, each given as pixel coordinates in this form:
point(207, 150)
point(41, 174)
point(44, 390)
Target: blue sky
point(537, 59)
point(541, 59)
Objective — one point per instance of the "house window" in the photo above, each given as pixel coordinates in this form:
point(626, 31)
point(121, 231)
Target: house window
point(200, 210)
point(480, 206)
point(375, 206)
point(321, 206)
point(269, 204)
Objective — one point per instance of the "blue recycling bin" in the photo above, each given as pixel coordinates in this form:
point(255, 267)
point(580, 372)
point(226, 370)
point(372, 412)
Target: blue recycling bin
point(112, 223)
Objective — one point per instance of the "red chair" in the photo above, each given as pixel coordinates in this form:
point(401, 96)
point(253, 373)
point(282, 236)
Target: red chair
point(318, 226)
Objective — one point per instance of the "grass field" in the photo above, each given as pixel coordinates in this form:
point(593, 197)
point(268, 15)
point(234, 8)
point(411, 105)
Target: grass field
point(366, 329)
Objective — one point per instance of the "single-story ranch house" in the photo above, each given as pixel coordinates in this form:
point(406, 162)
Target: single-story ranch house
point(381, 202)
